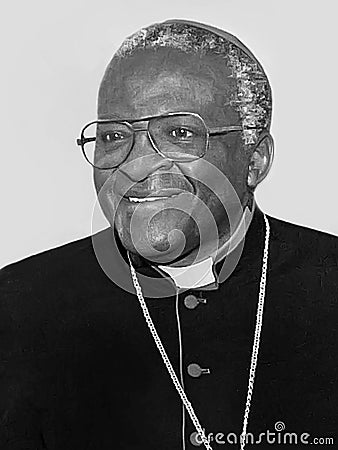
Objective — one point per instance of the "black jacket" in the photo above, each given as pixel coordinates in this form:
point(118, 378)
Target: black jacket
point(79, 368)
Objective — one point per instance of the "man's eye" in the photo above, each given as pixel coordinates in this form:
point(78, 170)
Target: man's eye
point(182, 133)
point(113, 136)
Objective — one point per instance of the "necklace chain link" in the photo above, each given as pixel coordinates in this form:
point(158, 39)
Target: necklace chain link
point(255, 348)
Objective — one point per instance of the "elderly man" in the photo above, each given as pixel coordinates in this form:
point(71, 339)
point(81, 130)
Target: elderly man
point(194, 319)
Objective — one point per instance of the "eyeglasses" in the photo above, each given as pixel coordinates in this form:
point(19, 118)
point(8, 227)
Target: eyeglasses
point(178, 136)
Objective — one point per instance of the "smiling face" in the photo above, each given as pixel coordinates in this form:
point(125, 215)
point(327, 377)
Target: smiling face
point(154, 82)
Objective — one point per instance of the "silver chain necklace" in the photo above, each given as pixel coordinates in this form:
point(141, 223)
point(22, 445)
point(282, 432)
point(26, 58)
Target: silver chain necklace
point(254, 355)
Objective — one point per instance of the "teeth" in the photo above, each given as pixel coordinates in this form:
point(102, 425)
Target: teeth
point(145, 199)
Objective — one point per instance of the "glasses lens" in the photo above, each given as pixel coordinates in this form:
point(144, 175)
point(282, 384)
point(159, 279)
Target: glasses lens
point(180, 137)
point(107, 144)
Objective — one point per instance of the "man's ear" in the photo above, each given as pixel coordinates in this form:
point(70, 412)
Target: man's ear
point(261, 160)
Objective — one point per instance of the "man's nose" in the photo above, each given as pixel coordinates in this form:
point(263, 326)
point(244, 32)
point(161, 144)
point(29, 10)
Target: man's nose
point(143, 159)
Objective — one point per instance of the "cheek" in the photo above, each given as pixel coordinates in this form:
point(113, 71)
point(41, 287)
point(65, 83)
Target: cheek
point(100, 177)
point(228, 155)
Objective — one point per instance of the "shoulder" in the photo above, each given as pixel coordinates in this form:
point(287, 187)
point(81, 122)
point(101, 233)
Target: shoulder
point(60, 254)
point(306, 234)
point(33, 313)
point(303, 269)
point(304, 244)
point(39, 292)
point(40, 269)
point(302, 302)
point(52, 275)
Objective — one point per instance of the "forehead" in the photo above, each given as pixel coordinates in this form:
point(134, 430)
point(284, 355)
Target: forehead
point(166, 80)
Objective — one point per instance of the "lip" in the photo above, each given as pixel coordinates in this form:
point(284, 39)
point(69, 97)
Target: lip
point(165, 193)
point(151, 196)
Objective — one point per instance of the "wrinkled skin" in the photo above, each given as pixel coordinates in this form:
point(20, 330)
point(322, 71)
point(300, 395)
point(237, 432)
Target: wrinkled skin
point(156, 82)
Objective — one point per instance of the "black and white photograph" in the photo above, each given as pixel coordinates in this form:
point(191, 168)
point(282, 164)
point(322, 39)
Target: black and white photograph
point(169, 251)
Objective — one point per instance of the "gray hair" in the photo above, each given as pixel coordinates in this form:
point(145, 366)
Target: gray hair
point(252, 95)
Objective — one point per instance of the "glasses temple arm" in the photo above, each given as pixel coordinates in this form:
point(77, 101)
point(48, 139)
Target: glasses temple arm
point(220, 130)
point(83, 140)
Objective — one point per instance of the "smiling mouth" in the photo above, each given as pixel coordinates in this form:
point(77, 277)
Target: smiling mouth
point(145, 197)
point(150, 198)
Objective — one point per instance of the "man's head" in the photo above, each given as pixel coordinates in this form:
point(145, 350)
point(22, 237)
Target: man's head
point(183, 67)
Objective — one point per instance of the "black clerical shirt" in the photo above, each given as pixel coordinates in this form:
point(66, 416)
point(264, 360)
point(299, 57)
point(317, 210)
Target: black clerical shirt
point(79, 368)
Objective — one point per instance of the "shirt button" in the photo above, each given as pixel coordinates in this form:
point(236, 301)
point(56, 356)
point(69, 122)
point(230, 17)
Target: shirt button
point(191, 301)
point(195, 371)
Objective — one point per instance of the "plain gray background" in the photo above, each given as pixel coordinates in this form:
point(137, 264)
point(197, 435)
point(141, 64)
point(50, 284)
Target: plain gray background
point(53, 57)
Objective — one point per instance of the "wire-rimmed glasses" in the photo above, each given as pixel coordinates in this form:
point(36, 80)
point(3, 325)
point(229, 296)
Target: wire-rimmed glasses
point(178, 136)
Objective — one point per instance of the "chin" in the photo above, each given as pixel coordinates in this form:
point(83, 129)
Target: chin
point(160, 241)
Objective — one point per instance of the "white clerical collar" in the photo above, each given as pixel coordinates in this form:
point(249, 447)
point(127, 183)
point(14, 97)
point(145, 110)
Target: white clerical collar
point(202, 273)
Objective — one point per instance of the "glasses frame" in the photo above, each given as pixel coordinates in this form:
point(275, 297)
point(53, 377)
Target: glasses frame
point(82, 140)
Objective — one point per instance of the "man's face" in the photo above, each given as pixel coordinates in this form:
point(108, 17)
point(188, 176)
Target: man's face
point(151, 83)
